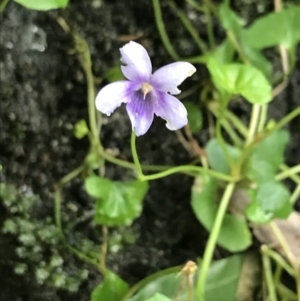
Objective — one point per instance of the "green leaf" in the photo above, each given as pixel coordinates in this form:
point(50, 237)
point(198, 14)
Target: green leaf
point(230, 20)
point(234, 24)
point(257, 59)
point(241, 79)
point(234, 235)
point(118, 203)
point(194, 117)
point(81, 129)
point(267, 156)
point(217, 158)
point(276, 28)
point(270, 200)
point(114, 74)
point(113, 288)
point(254, 212)
point(221, 283)
point(43, 4)
point(223, 278)
point(159, 297)
point(224, 53)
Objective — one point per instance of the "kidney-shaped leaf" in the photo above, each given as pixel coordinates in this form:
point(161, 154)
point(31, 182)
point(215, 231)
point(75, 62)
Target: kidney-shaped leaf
point(112, 288)
point(223, 278)
point(217, 158)
point(270, 200)
point(221, 284)
point(234, 235)
point(276, 28)
point(267, 156)
point(118, 203)
point(241, 79)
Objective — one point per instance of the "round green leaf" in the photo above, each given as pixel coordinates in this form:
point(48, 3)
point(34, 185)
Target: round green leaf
point(194, 117)
point(267, 156)
point(241, 79)
point(43, 4)
point(276, 28)
point(112, 288)
point(98, 187)
point(256, 215)
point(234, 235)
point(117, 203)
point(217, 158)
point(221, 284)
point(273, 197)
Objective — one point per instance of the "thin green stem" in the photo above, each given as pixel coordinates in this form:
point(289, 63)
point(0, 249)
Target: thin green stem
point(219, 134)
point(71, 175)
point(269, 277)
point(295, 195)
point(136, 157)
point(162, 30)
point(213, 237)
point(195, 5)
point(189, 27)
point(253, 123)
point(284, 121)
point(239, 125)
point(190, 168)
point(287, 173)
point(227, 127)
point(86, 63)
point(279, 260)
point(102, 259)
point(262, 118)
point(209, 26)
point(294, 177)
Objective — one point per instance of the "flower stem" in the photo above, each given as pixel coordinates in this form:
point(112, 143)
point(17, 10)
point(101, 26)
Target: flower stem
point(212, 241)
point(189, 27)
point(269, 276)
point(162, 30)
point(287, 173)
point(136, 157)
point(190, 168)
point(255, 114)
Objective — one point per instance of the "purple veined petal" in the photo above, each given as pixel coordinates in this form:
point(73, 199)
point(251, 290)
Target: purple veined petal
point(167, 78)
point(172, 110)
point(141, 112)
point(113, 95)
point(138, 65)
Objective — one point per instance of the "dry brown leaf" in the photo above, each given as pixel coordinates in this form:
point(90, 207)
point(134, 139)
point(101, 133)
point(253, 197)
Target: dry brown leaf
point(290, 230)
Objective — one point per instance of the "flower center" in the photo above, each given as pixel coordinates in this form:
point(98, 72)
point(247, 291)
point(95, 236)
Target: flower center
point(146, 88)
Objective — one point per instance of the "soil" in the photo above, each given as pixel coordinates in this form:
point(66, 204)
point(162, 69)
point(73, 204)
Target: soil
point(43, 94)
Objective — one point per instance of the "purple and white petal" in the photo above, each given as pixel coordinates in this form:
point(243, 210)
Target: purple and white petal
point(172, 110)
point(141, 112)
point(138, 65)
point(113, 95)
point(167, 78)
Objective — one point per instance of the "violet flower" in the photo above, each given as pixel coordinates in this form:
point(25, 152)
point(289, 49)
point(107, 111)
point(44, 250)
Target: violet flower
point(144, 93)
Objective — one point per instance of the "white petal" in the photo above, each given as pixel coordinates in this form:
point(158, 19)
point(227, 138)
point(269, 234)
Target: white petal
point(138, 65)
point(113, 95)
point(170, 76)
point(172, 110)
